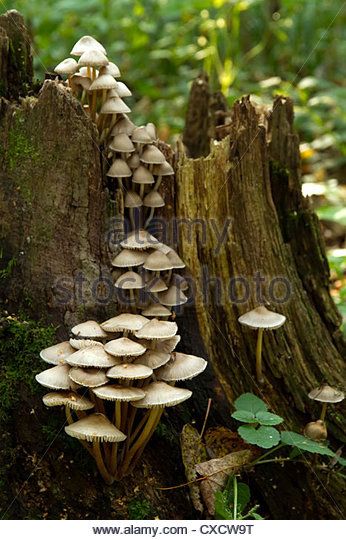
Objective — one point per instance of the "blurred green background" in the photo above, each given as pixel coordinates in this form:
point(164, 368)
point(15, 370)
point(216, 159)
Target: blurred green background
point(262, 47)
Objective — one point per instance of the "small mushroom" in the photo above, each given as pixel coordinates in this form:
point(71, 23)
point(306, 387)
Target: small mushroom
point(70, 400)
point(317, 431)
point(88, 377)
point(140, 137)
point(152, 200)
point(156, 310)
point(156, 329)
point(172, 297)
point(153, 359)
point(130, 372)
point(119, 170)
point(261, 319)
point(57, 354)
point(55, 378)
point(132, 201)
point(126, 322)
point(92, 357)
point(124, 347)
point(181, 368)
point(89, 330)
point(139, 239)
point(326, 394)
point(143, 177)
point(85, 43)
point(123, 90)
point(127, 258)
point(67, 67)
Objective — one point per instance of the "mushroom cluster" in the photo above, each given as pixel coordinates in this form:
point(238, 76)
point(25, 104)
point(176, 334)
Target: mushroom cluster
point(114, 380)
point(134, 161)
point(145, 275)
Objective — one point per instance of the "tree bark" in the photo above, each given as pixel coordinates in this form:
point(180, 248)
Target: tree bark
point(250, 182)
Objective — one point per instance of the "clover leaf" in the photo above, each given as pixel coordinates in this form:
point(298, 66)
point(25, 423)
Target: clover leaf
point(251, 403)
point(244, 416)
point(303, 443)
point(264, 436)
point(268, 419)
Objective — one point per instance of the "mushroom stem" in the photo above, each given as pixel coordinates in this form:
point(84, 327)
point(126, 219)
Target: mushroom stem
point(100, 464)
point(158, 183)
point(323, 412)
point(93, 104)
point(141, 191)
point(113, 459)
point(132, 437)
point(259, 356)
point(139, 447)
point(118, 414)
point(69, 418)
point(150, 217)
point(132, 218)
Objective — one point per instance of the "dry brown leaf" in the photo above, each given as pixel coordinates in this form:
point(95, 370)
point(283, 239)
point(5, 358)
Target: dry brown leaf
point(221, 441)
point(193, 451)
point(219, 470)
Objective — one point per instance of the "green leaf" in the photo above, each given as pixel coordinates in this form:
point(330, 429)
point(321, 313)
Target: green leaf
point(299, 441)
point(256, 516)
point(244, 416)
point(251, 403)
point(268, 419)
point(264, 436)
point(243, 496)
point(222, 509)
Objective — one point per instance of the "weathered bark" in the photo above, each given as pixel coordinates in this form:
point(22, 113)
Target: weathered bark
point(16, 69)
point(252, 179)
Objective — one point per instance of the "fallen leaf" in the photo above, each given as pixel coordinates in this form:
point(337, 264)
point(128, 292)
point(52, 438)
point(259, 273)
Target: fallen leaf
point(193, 451)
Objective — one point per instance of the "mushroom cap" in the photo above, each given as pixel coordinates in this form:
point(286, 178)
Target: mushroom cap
point(110, 69)
point(141, 136)
point(157, 262)
point(124, 322)
point(55, 378)
point(175, 259)
point(103, 82)
point(142, 175)
point(163, 169)
point(133, 161)
point(182, 367)
point(172, 297)
point(129, 257)
point(163, 248)
point(139, 239)
point(130, 371)
point(156, 310)
point(180, 282)
point(124, 347)
point(93, 58)
point(92, 357)
point(151, 154)
point(167, 345)
point(161, 394)
point(261, 317)
point(114, 392)
point(156, 329)
point(88, 329)
point(153, 199)
point(123, 125)
point(57, 354)
point(151, 129)
point(79, 80)
point(89, 377)
point(119, 169)
point(153, 359)
point(156, 285)
point(121, 143)
point(95, 427)
point(130, 280)
point(85, 43)
point(132, 200)
point(68, 66)
point(71, 399)
point(317, 431)
point(83, 343)
point(114, 105)
point(123, 90)
point(326, 394)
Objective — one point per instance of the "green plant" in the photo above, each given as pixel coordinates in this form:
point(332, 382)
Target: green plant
point(140, 509)
point(232, 502)
point(20, 344)
point(253, 412)
point(8, 269)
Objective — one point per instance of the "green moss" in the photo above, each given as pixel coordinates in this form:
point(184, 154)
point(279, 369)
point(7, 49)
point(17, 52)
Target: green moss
point(140, 508)
point(20, 344)
point(20, 148)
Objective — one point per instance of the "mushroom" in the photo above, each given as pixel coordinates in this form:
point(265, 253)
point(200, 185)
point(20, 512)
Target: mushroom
point(123, 90)
point(96, 428)
point(124, 347)
point(156, 310)
point(121, 143)
point(55, 378)
point(130, 281)
point(126, 322)
point(88, 330)
point(143, 177)
point(172, 297)
point(119, 170)
point(132, 201)
point(123, 125)
point(163, 169)
point(151, 155)
point(85, 43)
point(326, 394)
point(156, 329)
point(140, 137)
point(57, 354)
point(110, 69)
point(139, 239)
point(92, 357)
point(153, 359)
point(130, 372)
point(70, 400)
point(317, 431)
point(77, 343)
point(133, 161)
point(181, 367)
point(127, 258)
point(67, 67)
point(152, 200)
point(89, 377)
point(261, 319)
